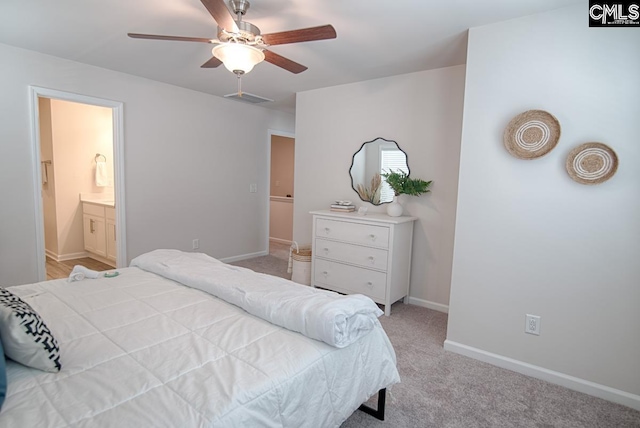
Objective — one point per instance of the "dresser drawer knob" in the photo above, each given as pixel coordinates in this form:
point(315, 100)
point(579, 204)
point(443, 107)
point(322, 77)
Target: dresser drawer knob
point(370, 284)
point(371, 259)
point(326, 250)
point(373, 237)
point(325, 273)
point(327, 230)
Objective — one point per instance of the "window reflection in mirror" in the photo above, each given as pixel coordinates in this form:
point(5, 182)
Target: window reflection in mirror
point(373, 158)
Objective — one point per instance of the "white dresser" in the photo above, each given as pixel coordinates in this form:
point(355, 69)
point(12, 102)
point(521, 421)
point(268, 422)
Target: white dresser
point(369, 255)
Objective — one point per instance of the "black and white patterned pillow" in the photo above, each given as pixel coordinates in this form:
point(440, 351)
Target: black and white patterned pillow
point(25, 336)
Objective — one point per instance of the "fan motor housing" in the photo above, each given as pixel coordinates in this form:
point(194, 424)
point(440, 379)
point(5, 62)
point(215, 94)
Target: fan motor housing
point(247, 33)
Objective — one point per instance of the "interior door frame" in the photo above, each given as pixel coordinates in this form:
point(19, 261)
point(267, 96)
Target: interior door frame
point(116, 107)
point(271, 133)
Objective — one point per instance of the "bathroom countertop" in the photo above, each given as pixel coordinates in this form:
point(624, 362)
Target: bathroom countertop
point(97, 201)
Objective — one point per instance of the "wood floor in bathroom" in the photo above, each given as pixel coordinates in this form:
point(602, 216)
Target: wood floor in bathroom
point(57, 270)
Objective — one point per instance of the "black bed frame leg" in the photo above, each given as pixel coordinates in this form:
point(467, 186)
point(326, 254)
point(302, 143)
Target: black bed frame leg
point(379, 412)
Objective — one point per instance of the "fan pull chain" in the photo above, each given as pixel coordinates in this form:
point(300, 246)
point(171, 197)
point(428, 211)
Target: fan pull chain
point(239, 86)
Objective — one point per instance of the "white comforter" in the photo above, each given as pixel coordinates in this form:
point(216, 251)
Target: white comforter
point(139, 350)
point(318, 314)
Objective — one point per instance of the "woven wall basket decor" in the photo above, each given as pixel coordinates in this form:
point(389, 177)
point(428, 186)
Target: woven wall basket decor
point(592, 163)
point(532, 134)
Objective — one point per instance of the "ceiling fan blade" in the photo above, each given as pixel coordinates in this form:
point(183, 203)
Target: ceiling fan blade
point(221, 14)
point(173, 38)
point(283, 62)
point(212, 63)
point(322, 32)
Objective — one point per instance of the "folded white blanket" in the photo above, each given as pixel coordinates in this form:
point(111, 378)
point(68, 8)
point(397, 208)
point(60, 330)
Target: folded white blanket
point(322, 315)
point(80, 272)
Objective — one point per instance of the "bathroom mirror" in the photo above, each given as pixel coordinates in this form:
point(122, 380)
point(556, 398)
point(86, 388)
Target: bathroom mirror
point(373, 158)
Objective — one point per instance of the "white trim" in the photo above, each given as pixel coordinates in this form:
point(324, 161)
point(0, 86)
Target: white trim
point(51, 255)
point(41, 261)
point(118, 153)
point(267, 180)
point(244, 257)
point(72, 256)
point(284, 199)
point(571, 382)
point(65, 257)
point(281, 241)
point(428, 304)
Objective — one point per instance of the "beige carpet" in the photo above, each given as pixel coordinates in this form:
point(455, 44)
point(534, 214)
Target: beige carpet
point(275, 263)
point(443, 389)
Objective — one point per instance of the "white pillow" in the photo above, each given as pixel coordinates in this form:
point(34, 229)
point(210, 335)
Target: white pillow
point(25, 337)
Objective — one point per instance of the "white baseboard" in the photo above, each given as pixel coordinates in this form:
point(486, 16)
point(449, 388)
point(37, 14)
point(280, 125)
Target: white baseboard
point(571, 382)
point(244, 256)
point(65, 257)
point(430, 305)
point(71, 256)
point(51, 255)
point(281, 241)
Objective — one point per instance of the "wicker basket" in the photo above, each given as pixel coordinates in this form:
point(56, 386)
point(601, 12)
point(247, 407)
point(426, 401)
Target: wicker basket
point(302, 255)
point(300, 262)
point(532, 134)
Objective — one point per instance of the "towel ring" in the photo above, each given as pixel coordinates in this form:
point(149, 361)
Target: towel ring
point(98, 156)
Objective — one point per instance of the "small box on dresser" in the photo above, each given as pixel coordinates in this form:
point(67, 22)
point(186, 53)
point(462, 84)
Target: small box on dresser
point(368, 255)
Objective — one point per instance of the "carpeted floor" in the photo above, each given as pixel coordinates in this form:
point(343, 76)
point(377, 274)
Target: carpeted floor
point(274, 264)
point(443, 389)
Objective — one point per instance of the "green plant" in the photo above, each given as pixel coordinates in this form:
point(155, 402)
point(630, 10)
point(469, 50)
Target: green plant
point(401, 183)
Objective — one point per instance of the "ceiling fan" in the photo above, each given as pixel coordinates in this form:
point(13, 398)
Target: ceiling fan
point(240, 45)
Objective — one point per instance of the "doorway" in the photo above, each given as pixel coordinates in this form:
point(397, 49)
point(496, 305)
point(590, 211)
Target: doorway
point(78, 172)
point(281, 192)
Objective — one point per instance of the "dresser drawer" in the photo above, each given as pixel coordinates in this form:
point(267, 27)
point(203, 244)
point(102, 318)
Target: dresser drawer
point(357, 233)
point(350, 279)
point(373, 258)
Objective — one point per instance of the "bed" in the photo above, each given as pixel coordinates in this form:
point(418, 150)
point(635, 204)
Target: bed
point(183, 340)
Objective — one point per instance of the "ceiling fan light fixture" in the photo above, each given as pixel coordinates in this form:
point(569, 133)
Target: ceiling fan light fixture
point(238, 58)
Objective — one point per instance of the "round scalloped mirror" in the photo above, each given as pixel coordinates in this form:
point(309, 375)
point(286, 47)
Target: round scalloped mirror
point(374, 158)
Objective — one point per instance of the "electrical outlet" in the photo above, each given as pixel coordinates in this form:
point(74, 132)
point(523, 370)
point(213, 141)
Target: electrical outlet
point(532, 324)
point(196, 244)
point(253, 188)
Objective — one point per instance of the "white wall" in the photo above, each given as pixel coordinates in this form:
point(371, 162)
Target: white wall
point(529, 239)
point(189, 160)
point(422, 113)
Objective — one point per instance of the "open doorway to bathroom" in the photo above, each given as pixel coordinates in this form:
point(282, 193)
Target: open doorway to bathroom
point(281, 176)
point(76, 152)
point(76, 145)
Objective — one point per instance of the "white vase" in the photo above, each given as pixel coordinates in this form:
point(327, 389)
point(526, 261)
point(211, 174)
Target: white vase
point(394, 209)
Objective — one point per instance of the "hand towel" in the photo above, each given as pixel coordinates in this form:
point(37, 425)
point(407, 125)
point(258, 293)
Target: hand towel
point(80, 272)
point(102, 178)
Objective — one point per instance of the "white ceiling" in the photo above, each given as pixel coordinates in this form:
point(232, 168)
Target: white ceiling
point(375, 38)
